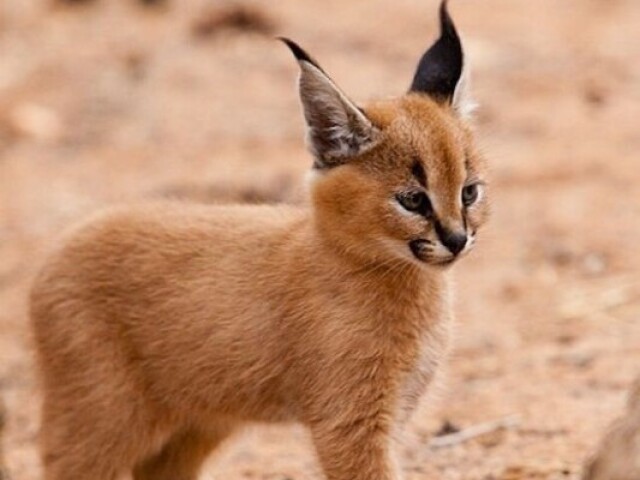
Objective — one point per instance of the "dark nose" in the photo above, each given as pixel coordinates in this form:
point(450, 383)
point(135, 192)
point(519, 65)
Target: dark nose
point(454, 241)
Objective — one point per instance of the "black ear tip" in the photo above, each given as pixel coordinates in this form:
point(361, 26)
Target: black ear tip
point(447, 26)
point(297, 51)
point(444, 9)
point(440, 68)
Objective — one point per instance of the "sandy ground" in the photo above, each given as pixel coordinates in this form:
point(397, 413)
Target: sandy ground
point(111, 101)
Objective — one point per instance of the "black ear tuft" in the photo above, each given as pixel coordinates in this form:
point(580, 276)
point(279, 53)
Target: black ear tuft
point(440, 68)
point(299, 53)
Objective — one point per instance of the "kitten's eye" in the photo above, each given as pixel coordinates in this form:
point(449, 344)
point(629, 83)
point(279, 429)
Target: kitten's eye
point(416, 202)
point(470, 194)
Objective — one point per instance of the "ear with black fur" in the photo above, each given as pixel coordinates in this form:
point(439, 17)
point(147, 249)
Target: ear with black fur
point(337, 129)
point(440, 68)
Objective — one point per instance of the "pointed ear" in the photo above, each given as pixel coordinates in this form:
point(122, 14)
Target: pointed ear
point(439, 72)
point(337, 129)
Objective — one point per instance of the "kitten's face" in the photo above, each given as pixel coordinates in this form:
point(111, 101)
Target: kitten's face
point(419, 195)
point(401, 179)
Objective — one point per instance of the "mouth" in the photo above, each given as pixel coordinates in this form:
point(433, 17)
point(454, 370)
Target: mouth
point(425, 251)
point(445, 262)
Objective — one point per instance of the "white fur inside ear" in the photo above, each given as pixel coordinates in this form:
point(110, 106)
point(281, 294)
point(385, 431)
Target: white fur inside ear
point(337, 128)
point(463, 102)
point(311, 177)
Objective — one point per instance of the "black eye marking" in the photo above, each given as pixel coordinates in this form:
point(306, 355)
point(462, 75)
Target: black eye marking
point(416, 202)
point(418, 172)
point(470, 194)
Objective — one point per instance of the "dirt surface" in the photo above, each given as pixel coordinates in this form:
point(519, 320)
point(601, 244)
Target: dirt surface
point(110, 101)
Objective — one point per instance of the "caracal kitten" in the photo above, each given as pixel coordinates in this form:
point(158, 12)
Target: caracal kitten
point(162, 329)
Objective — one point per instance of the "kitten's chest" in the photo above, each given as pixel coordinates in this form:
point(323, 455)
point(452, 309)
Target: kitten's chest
point(424, 359)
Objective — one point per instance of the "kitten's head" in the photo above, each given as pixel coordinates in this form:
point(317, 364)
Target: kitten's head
point(400, 177)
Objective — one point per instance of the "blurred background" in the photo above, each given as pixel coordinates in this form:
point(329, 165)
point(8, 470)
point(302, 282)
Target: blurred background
point(110, 101)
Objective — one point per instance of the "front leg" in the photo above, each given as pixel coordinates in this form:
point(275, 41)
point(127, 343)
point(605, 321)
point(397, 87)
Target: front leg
point(358, 448)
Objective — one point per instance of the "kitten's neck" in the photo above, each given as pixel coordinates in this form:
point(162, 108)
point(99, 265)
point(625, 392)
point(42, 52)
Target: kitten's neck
point(373, 266)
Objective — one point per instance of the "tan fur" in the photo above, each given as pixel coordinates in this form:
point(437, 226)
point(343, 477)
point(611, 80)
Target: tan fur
point(163, 328)
point(618, 457)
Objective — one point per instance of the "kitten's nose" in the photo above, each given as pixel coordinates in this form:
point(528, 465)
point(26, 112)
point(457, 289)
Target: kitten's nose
point(454, 241)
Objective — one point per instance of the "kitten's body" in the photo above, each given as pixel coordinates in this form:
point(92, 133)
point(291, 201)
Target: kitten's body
point(162, 328)
point(239, 313)
point(201, 316)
